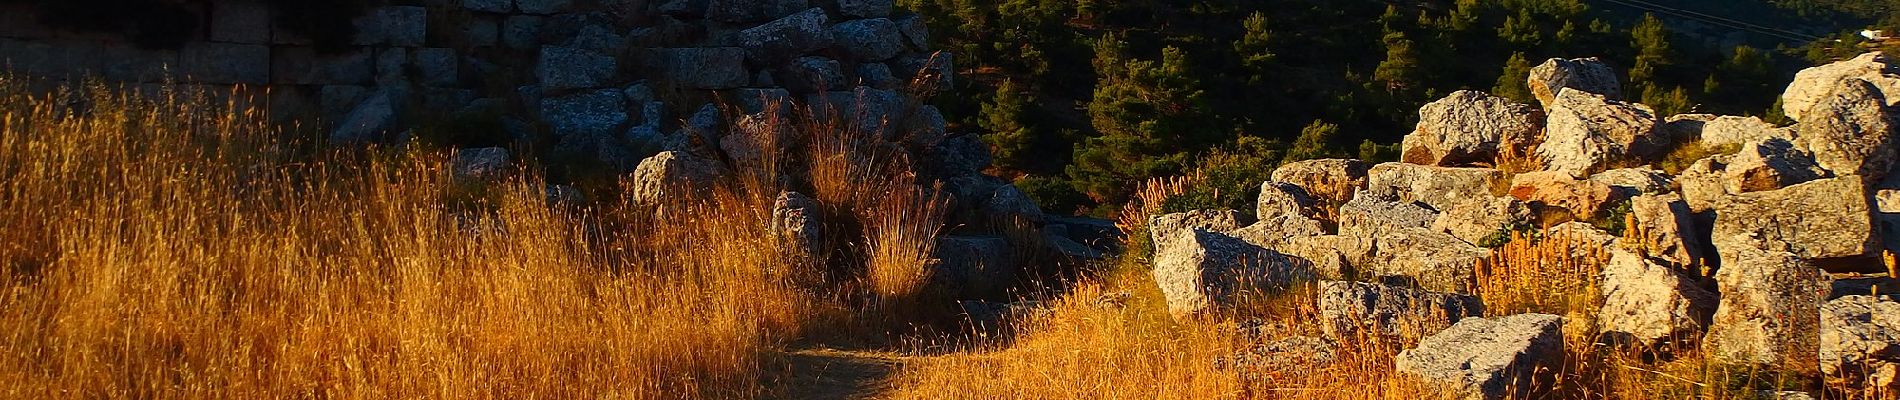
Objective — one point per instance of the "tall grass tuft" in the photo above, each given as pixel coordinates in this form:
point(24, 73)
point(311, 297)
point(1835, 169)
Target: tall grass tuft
point(179, 248)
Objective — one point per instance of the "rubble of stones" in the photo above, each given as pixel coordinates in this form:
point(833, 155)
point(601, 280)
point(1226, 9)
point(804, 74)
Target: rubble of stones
point(1769, 254)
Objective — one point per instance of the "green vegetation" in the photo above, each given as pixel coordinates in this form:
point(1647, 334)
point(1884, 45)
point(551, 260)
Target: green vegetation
point(1101, 95)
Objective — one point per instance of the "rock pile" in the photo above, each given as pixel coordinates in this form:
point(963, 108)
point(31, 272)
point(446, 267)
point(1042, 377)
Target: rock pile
point(1731, 254)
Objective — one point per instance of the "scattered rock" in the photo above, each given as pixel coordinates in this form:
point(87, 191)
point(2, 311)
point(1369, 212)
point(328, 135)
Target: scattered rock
point(1647, 305)
point(1353, 308)
point(1589, 133)
point(1768, 312)
point(1487, 358)
point(1171, 225)
point(1370, 215)
point(670, 174)
point(1828, 218)
point(1813, 85)
point(1588, 75)
point(1770, 164)
point(1582, 197)
point(711, 68)
point(599, 112)
point(795, 221)
point(1297, 355)
point(1732, 130)
point(1471, 128)
point(1484, 221)
point(1281, 199)
point(1635, 181)
point(1333, 180)
point(1279, 229)
point(1850, 131)
point(562, 68)
point(369, 121)
point(1665, 229)
point(1012, 204)
point(1201, 271)
point(1703, 183)
point(973, 266)
point(1433, 260)
point(479, 164)
point(1858, 334)
point(1437, 187)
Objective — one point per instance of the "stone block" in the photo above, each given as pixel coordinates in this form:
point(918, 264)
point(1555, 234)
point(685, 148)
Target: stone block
point(225, 63)
point(240, 22)
point(436, 66)
point(305, 66)
point(393, 26)
point(493, 6)
point(521, 31)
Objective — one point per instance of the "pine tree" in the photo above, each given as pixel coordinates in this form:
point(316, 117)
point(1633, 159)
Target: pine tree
point(1653, 53)
point(1253, 47)
point(1315, 141)
point(1150, 115)
point(1512, 82)
point(1006, 117)
point(1400, 69)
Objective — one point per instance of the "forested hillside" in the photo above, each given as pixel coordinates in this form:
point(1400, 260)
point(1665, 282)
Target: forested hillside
point(1082, 99)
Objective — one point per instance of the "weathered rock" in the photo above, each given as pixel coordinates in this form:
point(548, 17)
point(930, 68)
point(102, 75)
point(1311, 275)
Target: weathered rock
point(1471, 128)
point(916, 32)
point(521, 31)
point(973, 266)
point(1732, 130)
point(543, 6)
point(392, 26)
point(1850, 131)
point(1012, 204)
point(599, 112)
point(1586, 242)
point(878, 75)
point(1484, 221)
point(1161, 227)
point(1646, 304)
point(1583, 198)
point(1858, 333)
point(811, 75)
point(1665, 229)
point(483, 163)
point(1487, 358)
point(1828, 218)
point(1588, 75)
point(671, 174)
point(1702, 183)
point(865, 8)
point(926, 127)
point(711, 68)
point(1201, 271)
point(1813, 85)
point(493, 6)
point(786, 38)
point(1635, 181)
point(1770, 164)
point(240, 22)
point(1437, 187)
point(796, 224)
point(1280, 198)
point(222, 63)
point(1877, 286)
point(1347, 309)
point(752, 10)
point(437, 67)
point(868, 40)
point(369, 121)
point(1278, 229)
point(1588, 133)
point(1334, 180)
point(561, 68)
point(1770, 306)
point(871, 111)
point(1433, 260)
point(1325, 255)
point(1369, 215)
point(1283, 357)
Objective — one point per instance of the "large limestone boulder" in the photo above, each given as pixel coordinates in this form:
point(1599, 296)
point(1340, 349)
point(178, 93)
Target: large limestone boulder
point(671, 174)
point(1279, 229)
point(1584, 198)
point(1348, 309)
point(1646, 304)
point(1703, 184)
point(1200, 271)
point(868, 40)
point(1589, 133)
point(1487, 358)
point(1769, 164)
point(1850, 131)
point(1471, 128)
point(1329, 256)
point(1769, 311)
point(1665, 229)
point(1811, 86)
point(1433, 260)
point(1859, 334)
point(1635, 181)
point(1370, 215)
point(1437, 187)
point(1588, 75)
point(1331, 180)
point(1161, 227)
point(1828, 218)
